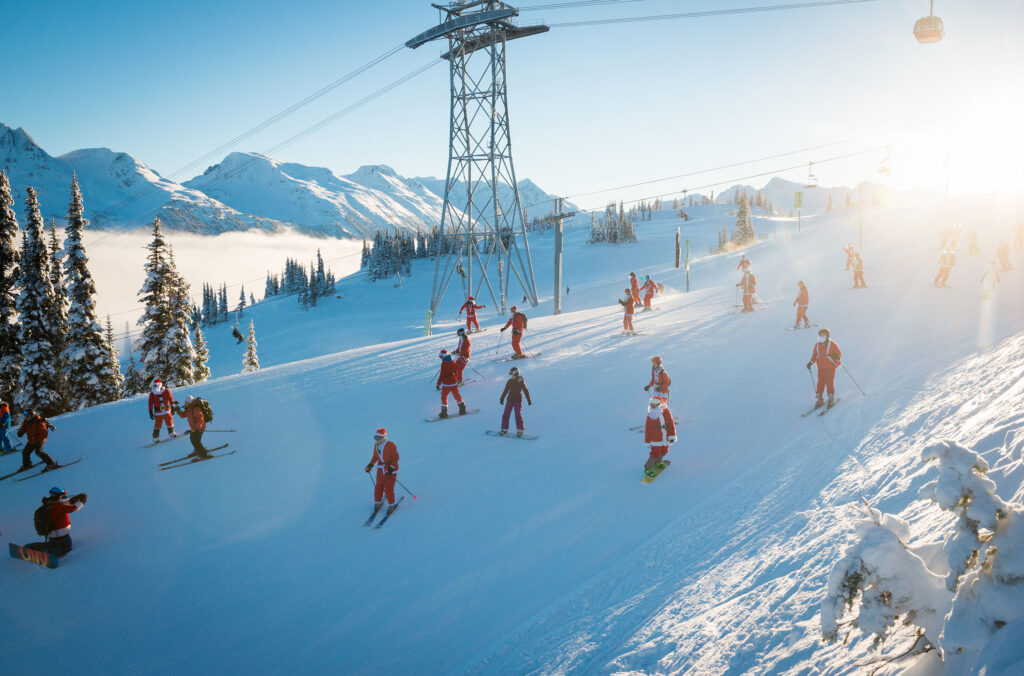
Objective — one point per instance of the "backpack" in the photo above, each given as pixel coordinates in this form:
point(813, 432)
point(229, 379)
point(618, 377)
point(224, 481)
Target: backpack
point(204, 406)
point(524, 319)
point(42, 520)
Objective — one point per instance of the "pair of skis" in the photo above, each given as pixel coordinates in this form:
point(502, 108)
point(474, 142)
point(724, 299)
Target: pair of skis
point(824, 410)
point(157, 442)
point(192, 458)
point(525, 356)
point(43, 471)
point(386, 515)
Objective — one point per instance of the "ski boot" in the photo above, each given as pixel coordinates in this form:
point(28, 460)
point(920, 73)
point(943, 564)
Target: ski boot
point(819, 402)
point(462, 408)
point(443, 413)
point(376, 508)
point(831, 400)
point(520, 433)
point(391, 508)
point(503, 432)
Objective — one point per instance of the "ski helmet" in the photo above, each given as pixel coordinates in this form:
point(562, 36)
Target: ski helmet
point(461, 332)
point(381, 433)
point(513, 371)
point(58, 492)
point(189, 399)
point(655, 402)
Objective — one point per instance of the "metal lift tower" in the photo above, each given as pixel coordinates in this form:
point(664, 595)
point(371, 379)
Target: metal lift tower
point(488, 230)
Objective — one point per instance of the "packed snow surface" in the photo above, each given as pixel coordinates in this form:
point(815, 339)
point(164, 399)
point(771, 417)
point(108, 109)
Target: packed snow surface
point(546, 556)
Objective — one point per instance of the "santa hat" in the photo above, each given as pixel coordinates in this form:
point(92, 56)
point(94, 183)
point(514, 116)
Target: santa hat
point(381, 432)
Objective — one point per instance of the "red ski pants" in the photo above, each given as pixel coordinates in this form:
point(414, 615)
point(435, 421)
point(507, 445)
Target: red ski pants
point(454, 390)
point(516, 337)
point(636, 296)
point(748, 302)
point(161, 419)
point(658, 452)
point(943, 276)
point(471, 322)
point(647, 299)
point(460, 364)
point(385, 486)
point(858, 278)
point(627, 322)
point(826, 380)
point(801, 314)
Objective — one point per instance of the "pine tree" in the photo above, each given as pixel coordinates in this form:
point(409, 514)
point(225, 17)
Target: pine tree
point(39, 369)
point(179, 350)
point(155, 320)
point(10, 351)
point(134, 382)
point(268, 290)
point(200, 371)
point(250, 362)
point(240, 308)
point(223, 311)
point(111, 380)
point(743, 233)
point(86, 357)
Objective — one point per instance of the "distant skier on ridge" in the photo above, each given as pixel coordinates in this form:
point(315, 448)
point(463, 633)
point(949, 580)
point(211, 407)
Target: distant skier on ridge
point(518, 323)
point(448, 383)
point(827, 356)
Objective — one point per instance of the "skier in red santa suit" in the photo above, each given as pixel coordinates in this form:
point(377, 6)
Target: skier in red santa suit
point(659, 380)
point(649, 287)
point(385, 459)
point(802, 300)
point(463, 352)
point(827, 356)
point(634, 285)
point(518, 323)
point(659, 432)
point(744, 263)
point(470, 308)
point(627, 313)
point(161, 402)
point(749, 284)
point(448, 383)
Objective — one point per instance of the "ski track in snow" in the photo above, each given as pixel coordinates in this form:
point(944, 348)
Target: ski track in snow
point(549, 557)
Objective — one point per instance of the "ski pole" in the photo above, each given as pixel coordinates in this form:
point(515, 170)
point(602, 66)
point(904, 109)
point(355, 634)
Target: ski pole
point(406, 489)
point(501, 334)
point(814, 385)
point(854, 381)
point(371, 479)
point(477, 372)
point(436, 373)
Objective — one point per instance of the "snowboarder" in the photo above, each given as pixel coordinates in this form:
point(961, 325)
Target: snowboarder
point(385, 459)
point(744, 263)
point(946, 262)
point(989, 280)
point(858, 272)
point(827, 356)
point(659, 380)
point(161, 401)
point(193, 412)
point(627, 314)
point(972, 242)
point(237, 335)
point(1003, 252)
point(58, 535)
point(470, 308)
point(659, 432)
point(515, 388)
point(801, 302)
point(749, 284)
point(37, 428)
point(448, 383)
point(5, 424)
point(634, 285)
point(463, 351)
point(518, 323)
point(648, 287)
point(850, 254)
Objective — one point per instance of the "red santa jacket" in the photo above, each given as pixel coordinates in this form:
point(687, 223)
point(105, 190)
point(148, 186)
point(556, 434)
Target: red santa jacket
point(659, 380)
point(826, 355)
point(744, 263)
point(449, 375)
point(160, 404)
point(470, 307)
point(649, 287)
point(385, 456)
point(802, 298)
point(59, 510)
point(749, 284)
point(634, 284)
point(36, 428)
point(661, 429)
point(463, 349)
point(516, 321)
point(627, 305)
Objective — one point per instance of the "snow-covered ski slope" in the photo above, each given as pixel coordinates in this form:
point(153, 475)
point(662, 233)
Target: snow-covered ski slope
point(542, 557)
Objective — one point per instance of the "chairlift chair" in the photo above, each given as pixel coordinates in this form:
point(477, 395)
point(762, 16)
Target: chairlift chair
point(812, 180)
point(929, 28)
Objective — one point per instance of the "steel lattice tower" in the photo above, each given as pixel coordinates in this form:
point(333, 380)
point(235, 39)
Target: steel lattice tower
point(491, 231)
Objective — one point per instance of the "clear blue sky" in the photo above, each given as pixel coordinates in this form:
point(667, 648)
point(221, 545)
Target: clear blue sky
point(591, 107)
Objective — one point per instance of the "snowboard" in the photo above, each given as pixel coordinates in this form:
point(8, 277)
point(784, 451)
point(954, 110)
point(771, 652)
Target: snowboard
point(163, 441)
point(453, 416)
point(651, 474)
point(477, 331)
point(525, 356)
point(33, 556)
point(45, 470)
point(511, 435)
point(192, 455)
point(194, 459)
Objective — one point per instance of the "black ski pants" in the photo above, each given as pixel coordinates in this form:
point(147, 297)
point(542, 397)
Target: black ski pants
point(57, 546)
point(26, 454)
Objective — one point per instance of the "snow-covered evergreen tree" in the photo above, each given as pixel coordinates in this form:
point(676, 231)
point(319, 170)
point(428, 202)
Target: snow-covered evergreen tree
point(59, 306)
point(200, 371)
point(134, 381)
point(111, 380)
point(180, 353)
point(10, 352)
point(86, 357)
point(39, 377)
point(223, 309)
point(743, 233)
point(240, 308)
point(250, 362)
